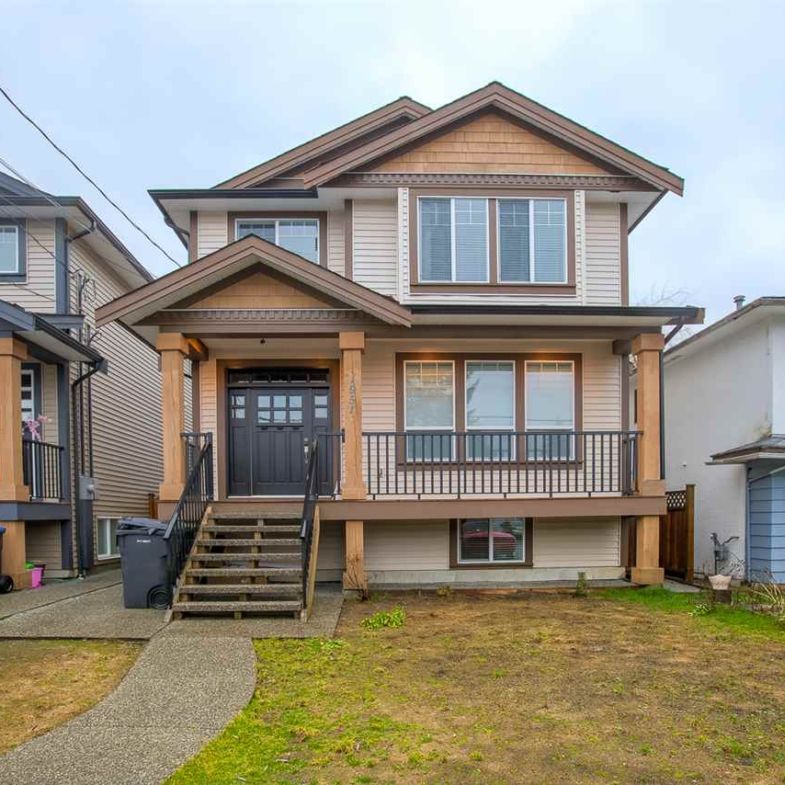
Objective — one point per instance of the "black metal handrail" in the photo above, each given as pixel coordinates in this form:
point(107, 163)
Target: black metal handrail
point(309, 511)
point(190, 509)
point(499, 463)
point(42, 469)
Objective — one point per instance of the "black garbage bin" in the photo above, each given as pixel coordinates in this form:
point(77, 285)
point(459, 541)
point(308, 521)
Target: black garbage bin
point(144, 557)
point(6, 581)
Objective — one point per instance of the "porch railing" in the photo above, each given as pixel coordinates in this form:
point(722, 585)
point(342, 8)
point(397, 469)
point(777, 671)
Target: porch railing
point(42, 466)
point(196, 495)
point(309, 515)
point(500, 463)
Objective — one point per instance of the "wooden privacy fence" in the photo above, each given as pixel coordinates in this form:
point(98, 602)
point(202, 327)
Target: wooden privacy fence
point(677, 536)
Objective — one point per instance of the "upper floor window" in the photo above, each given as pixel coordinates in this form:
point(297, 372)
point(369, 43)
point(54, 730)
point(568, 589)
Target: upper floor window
point(11, 249)
point(532, 240)
point(453, 240)
point(487, 240)
point(298, 235)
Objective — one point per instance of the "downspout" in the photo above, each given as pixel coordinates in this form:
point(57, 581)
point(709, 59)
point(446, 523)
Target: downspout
point(81, 555)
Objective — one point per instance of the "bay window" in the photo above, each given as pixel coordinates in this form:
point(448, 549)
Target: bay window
point(490, 406)
point(550, 409)
point(488, 541)
point(429, 406)
point(488, 240)
point(298, 235)
point(453, 240)
point(532, 240)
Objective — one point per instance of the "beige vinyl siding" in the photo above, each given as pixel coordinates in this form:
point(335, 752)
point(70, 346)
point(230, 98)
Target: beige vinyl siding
point(603, 254)
point(208, 408)
point(212, 232)
point(407, 545)
point(43, 543)
point(126, 401)
point(576, 542)
point(49, 403)
point(37, 292)
point(336, 240)
point(375, 225)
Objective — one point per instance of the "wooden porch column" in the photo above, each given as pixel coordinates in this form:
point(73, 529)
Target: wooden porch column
point(352, 346)
point(12, 487)
point(648, 347)
point(173, 348)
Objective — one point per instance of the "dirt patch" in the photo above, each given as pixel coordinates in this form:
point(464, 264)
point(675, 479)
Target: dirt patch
point(46, 683)
point(510, 689)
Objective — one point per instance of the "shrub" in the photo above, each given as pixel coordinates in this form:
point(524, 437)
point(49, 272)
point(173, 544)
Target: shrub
point(394, 618)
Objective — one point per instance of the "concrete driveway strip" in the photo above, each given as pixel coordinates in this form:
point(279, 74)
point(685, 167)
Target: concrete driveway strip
point(181, 692)
point(94, 614)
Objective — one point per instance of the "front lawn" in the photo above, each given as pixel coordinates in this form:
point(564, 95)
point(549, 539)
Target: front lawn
point(620, 687)
point(45, 683)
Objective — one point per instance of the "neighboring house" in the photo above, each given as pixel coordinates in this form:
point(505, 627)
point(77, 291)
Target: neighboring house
point(439, 299)
point(97, 391)
point(725, 432)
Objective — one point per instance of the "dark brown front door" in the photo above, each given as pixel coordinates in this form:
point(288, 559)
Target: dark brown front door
point(272, 417)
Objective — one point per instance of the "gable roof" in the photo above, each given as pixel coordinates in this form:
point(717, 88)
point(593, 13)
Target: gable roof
point(205, 272)
point(496, 96)
point(402, 110)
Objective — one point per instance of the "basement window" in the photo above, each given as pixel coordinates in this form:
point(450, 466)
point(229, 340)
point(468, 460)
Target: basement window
point(491, 540)
point(106, 538)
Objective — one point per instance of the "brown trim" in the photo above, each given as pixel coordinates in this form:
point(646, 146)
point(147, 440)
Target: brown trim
point(624, 253)
point(348, 238)
point(221, 440)
point(528, 540)
point(494, 286)
point(193, 236)
point(444, 509)
point(270, 215)
point(402, 108)
point(243, 253)
point(459, 404)
point(589, 182)
point(196, 406)
point(497, 97)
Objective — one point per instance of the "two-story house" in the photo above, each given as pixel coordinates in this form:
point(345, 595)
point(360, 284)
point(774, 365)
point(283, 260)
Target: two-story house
point(438, 300)
point(80, 433)
point(725, 421)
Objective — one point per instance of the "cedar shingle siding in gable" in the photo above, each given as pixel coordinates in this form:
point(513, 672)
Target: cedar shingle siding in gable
point(489, 143)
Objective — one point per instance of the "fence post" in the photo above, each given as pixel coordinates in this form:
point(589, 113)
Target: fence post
point(689, 514)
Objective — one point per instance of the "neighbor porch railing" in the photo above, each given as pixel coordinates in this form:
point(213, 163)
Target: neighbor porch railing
point(42, 467)
point(499, 463)
point(192, 505)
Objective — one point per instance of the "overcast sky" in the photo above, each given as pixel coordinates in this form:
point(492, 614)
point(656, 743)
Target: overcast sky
point(173, 94)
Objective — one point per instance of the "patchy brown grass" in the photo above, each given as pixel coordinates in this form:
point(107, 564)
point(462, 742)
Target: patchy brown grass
point(45, 683)
point(492, 690)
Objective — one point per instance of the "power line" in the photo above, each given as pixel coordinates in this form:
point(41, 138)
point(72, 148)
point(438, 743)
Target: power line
point(86, 176)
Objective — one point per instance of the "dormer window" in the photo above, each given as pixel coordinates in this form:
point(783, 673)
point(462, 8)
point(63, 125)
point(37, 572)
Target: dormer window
point(298, 235)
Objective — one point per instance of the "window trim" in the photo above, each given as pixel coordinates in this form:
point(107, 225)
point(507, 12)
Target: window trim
point(20, 275)
point(493, 286)
point(459, 390)
point(105, 556)
point(283, 215)
point(528, 543)
point(532, 257)
point(453, 237)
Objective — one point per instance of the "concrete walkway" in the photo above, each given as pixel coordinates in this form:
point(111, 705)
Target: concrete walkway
point(181, 693)
point(54, 591)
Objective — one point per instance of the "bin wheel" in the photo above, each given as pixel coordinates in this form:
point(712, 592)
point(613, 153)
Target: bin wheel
point(159, 598)
point(6, 584)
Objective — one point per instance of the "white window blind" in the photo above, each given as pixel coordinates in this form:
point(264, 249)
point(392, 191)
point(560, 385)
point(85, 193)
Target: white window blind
point(9, 249)
point(298, 235)
point(550, 396)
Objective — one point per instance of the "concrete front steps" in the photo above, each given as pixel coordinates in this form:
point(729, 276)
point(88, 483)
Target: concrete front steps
point(243, 563)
